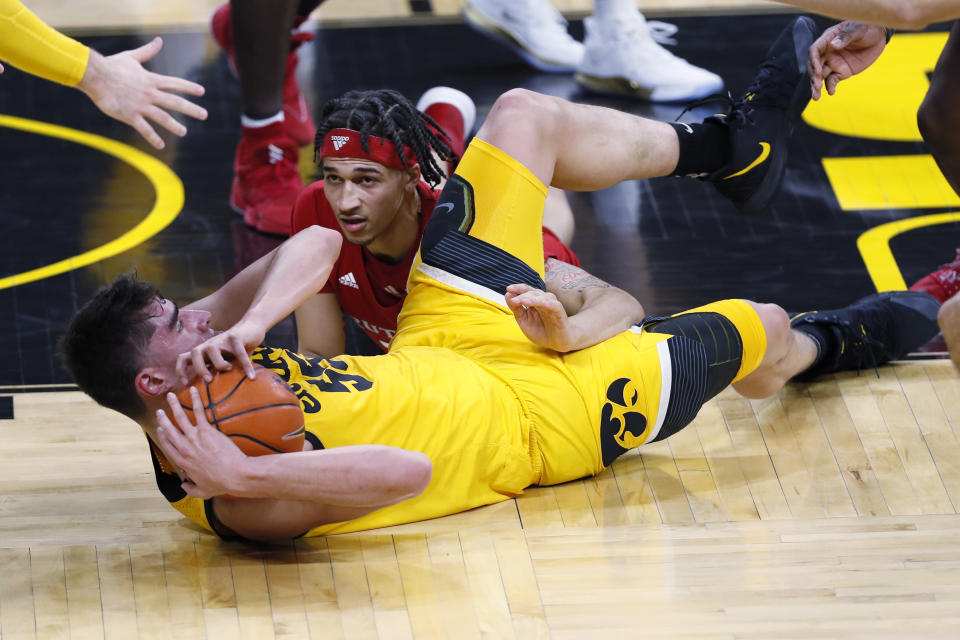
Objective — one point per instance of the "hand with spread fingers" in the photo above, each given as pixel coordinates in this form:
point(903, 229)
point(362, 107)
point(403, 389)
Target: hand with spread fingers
point(123, 89)
point(207, 457)
point(541, 317)
point(233, 344)
point(842, 51)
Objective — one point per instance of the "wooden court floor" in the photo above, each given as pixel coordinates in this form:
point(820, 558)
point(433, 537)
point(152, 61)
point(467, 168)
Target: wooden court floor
point(828, 511)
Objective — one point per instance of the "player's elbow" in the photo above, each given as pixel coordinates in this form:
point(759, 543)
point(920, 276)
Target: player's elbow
point(635, 311)
point(626, 306)
point(908, 15)
point(412, 476)
point(323, 240)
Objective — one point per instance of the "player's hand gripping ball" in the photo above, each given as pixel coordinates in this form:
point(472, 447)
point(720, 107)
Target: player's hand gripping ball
point(261, 416)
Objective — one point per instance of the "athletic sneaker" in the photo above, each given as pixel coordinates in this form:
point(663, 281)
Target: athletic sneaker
point(622, 57)
point(455, 113)
point(532, 28)
point(266, 179)
point(296, 113)
point(873, 330)
point(942, 284)
point(762, 120)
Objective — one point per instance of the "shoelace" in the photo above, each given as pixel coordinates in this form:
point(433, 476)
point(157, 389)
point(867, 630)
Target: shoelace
point(861, 343)
point(740, 109)
point(663, 32)
point(764, 84)
point(737, 110)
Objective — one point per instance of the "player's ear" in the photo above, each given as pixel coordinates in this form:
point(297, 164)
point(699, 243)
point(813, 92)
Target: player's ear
point(413, 178)
point(153, 382)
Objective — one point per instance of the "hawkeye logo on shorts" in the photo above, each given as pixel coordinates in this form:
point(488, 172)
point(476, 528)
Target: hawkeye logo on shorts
point(319, 376)
point(621, 427)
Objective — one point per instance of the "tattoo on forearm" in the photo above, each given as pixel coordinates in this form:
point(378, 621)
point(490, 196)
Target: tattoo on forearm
point(570, 278)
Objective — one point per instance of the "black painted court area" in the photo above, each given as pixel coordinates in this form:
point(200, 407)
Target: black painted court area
point(673, 243)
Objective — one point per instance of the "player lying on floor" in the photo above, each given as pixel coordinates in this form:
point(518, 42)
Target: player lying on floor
point(495, 380)
point(380, 200)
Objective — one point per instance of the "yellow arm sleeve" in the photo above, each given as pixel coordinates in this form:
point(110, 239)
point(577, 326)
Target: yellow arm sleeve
point(27, 43)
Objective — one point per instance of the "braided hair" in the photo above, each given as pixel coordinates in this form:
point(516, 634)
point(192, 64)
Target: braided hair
point(386, 113)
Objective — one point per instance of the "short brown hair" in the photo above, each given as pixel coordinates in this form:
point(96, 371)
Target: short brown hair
point(103, 346)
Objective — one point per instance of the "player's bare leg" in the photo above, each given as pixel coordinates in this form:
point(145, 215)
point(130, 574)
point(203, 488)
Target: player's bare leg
point(949, 320)
point(938, 117)
point(578, 147)
point(788, 353)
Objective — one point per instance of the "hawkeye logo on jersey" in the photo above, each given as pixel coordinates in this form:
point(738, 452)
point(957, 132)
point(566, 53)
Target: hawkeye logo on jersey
point(349, 280)
point(339, 141)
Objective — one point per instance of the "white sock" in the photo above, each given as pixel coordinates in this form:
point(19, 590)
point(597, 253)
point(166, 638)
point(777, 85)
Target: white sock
point(250, 123)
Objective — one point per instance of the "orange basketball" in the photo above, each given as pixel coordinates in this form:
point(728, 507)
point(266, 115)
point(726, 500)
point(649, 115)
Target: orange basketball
point(261, 416)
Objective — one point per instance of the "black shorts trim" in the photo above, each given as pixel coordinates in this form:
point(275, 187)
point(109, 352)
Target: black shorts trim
point(688, 361)
point(447, 246)
point(480, 262)
point(706, 352)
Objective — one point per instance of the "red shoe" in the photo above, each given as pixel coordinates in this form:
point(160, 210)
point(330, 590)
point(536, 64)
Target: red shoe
point(943, 283)
point(455, 112)
point(296, 114)
point(266, 180)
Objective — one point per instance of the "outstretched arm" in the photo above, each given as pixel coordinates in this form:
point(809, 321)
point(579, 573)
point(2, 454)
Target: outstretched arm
point(901, 14)
point(260, 296)
point(287, 493)
point(123, 89)
point(576, 311)
point(117, 84)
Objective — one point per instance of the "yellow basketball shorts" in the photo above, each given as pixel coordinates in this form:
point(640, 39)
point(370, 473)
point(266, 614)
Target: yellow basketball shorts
point(587, 407)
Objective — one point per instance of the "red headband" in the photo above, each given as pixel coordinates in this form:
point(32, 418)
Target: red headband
point(345, 143)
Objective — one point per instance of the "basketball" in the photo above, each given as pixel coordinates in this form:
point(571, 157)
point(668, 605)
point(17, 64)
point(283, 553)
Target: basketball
point(261, 416)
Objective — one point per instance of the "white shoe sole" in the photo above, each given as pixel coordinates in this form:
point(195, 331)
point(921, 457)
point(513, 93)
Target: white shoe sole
point(482, 23)
point(619, 86)
point(449, 95)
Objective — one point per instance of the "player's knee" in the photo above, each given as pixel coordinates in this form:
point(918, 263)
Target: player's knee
point(520, 109)
point(776, 326)
point(949, 315)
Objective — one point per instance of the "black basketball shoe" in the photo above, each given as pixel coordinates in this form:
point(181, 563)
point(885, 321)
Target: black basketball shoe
point(761, 121)
point(873, 330)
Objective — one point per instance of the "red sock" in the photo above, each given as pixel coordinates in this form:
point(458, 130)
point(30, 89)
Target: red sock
point(451, 121)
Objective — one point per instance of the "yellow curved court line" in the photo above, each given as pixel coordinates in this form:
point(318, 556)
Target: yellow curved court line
point(165, 182)
point(874, 246)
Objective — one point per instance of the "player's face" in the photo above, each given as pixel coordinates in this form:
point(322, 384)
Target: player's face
point(176, 331)
point(366, 196)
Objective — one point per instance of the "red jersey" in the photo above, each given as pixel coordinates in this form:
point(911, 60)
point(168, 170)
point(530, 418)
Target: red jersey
point(372, 291)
